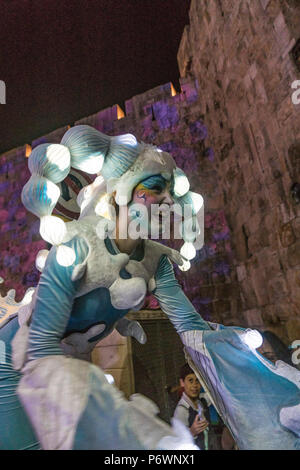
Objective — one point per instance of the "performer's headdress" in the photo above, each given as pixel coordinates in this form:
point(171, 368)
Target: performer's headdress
point(121, 164)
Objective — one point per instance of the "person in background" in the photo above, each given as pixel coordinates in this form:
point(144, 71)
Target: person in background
point(197, 412)
point(189, 409)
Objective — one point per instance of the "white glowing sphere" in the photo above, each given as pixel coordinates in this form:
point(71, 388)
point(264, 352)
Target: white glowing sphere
point(181, 186)
point(109, 378)
point(125, 139)
point(52, 229)
point(40, 260)
point(188, 251)
point(53, 191)
point(102, 208)
point(185, 266)
point(98, 181)
point(94, 165)
point(65, 256)
point(28, 296)
point(197, 201)
point(59, 155)
point(253, 339)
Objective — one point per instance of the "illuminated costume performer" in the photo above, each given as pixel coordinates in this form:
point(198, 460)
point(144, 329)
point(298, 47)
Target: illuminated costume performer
point(86, 288)
point(69, 402)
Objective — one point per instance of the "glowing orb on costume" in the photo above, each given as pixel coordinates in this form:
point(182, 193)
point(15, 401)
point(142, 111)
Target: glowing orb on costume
point(52, 190)
point(181, 183)
point(253, 339)
point(40, 260)
point(185, 266)
point(28, 296)
point(52, 229)
point(188, 250)
point(94, 165)
point(59, 155)
point(109, 378)
point(197, 201)
point(65, 256)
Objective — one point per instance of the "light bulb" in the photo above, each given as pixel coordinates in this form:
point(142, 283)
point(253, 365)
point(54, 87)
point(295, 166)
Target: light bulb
point(252, 338)
point(65, 256)
point(185, 266)
point(40, 260)
point(52, 229)
point(98, 181)
point(59, 155)
point(94, 165)
point(125, 139)
point(197, 201)
point(188, 251)
point(53, 191)
point(102, 206)
point(109, 378)
point(181, 186)
point(28, 296)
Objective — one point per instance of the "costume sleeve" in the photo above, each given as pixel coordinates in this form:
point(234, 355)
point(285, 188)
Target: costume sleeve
point(55, 295)
point(173, 301)
point(248, 391)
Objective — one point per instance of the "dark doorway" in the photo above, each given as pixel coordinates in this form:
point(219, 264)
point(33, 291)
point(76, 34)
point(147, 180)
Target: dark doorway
point(156, 365)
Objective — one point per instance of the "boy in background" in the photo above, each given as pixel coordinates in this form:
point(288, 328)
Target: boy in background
point(195, 411)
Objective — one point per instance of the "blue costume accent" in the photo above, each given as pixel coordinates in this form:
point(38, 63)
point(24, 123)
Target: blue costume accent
point(16, 431)
point(68, 401)
point(57, 314)
point(248, 391)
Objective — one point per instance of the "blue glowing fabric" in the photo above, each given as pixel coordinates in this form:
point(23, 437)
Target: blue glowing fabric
point(58, 313)
point(250, 393)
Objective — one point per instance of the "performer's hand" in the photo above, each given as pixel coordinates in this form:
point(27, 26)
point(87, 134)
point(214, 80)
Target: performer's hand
point(198, 426)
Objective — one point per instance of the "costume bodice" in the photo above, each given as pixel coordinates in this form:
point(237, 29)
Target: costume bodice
point(101, 268)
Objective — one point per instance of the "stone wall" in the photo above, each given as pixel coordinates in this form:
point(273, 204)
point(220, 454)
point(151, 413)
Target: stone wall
point(242, 53)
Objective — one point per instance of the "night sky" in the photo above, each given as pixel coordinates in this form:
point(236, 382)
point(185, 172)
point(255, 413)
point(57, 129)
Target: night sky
point(63, 60)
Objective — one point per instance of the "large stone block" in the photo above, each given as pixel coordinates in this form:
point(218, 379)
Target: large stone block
point(259, 284)
point(296, 227)
point(253, 318)
point(277, 288)
point(249, 295)
point(293, 329)
point(287, 235)
point(293, 254)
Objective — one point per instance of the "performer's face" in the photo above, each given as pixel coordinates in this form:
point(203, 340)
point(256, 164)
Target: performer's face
point(153, 190)
point(191, 385)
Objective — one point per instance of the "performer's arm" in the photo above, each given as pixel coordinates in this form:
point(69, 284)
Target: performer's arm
point(55, 296)
point(173, 301)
